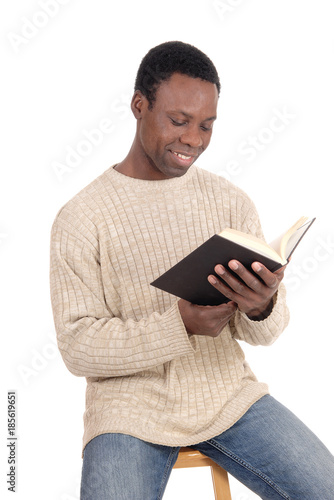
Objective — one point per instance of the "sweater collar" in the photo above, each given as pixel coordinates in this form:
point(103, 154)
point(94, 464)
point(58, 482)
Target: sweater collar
point(150, 186)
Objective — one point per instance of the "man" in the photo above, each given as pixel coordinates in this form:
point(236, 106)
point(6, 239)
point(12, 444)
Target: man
point(161, 372)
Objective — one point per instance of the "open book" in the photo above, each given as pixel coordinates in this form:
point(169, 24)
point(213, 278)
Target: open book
point(188, 278)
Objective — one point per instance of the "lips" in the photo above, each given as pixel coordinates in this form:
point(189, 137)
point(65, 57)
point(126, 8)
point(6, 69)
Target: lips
point(182, 155)
point(183, 158)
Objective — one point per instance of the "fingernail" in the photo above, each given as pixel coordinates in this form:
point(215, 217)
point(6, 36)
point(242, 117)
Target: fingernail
point(212, 280)
point(233, 265)
point(257, 267)
point(219, 269)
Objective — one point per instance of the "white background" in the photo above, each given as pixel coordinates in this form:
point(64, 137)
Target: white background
point(65, 71)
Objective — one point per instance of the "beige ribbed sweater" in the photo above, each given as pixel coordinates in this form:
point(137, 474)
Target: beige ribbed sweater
point(145, 376)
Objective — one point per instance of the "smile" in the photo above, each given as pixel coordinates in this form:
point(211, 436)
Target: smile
point(184, 157)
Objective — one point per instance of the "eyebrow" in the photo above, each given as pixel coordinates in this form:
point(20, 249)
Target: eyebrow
point(187, 115)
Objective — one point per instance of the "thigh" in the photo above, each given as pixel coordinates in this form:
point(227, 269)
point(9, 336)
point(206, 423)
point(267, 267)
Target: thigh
point(122, 467)
point(273, 453)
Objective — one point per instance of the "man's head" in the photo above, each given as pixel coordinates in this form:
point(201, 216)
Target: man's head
point(162, 61)
point(175, 105)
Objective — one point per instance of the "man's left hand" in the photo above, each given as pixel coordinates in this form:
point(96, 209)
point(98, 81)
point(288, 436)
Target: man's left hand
point(254, 296)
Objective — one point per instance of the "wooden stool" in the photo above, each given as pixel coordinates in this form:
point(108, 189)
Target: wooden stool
point(193, 458)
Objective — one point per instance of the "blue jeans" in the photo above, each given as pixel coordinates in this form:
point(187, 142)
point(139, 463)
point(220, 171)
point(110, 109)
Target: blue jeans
point(269, 450)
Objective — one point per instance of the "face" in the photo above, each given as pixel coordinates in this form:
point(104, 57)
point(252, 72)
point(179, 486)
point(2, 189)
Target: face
point(175, 132)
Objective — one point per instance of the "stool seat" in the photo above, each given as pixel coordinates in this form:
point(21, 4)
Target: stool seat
point(192, 458)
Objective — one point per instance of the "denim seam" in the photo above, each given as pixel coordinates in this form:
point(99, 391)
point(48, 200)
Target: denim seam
point(246, 465)
point(166, 473)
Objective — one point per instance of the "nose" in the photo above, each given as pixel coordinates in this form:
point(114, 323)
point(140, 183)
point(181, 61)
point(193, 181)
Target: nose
point(192, 137)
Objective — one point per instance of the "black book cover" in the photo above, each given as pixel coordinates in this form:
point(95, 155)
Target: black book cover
point(188, 278)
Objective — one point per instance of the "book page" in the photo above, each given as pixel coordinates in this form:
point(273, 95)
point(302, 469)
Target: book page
point(276, 244)
point(252, 242)
point(282, 244)
point(296, 237)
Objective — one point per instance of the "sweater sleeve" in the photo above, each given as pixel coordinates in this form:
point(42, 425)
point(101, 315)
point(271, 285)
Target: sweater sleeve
point(93, 341)
point(263, 332)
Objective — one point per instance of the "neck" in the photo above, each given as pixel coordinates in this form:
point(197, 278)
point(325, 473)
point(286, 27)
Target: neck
point(137, 165)
point(126, 166)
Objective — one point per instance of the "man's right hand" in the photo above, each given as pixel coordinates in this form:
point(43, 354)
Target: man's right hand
point(206, 320)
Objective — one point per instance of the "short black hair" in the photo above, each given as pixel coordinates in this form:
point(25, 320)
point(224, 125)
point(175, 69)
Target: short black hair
point(162, 61)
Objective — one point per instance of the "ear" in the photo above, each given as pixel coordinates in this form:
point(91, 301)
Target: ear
point(138, 104)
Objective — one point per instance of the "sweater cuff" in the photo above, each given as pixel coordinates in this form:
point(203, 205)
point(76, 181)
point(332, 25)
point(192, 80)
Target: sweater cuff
point(181, 342)
point(266, 331)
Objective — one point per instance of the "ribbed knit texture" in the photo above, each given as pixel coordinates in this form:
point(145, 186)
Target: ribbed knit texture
point(145, 375)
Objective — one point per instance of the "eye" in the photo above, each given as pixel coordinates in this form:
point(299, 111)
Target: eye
point(206, 129)
point(176, 123)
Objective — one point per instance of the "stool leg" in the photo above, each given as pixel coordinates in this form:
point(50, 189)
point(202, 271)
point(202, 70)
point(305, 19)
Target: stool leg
point(220, 483)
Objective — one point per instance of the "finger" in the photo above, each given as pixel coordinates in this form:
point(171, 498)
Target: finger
point(227, 312)
point(247, 276)
point(280, 272)
point(222, 310)
point(221, 286)
point(230, 308)
point(270, 279)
